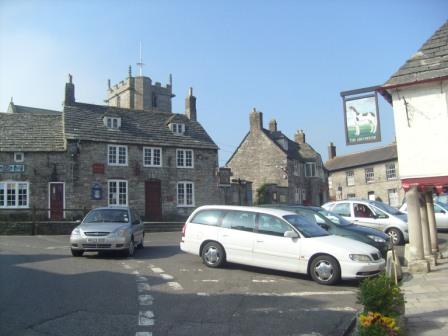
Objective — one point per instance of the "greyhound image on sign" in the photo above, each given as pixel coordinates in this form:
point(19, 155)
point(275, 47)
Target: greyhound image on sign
point(361, 120)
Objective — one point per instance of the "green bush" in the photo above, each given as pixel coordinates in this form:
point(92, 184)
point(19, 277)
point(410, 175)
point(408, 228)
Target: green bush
point(381, 295)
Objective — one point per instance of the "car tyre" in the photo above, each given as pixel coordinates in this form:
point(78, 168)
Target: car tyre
point(77, 253)
point(325, 270)
point(396, 237)
point(141, 244)
point(213, 255)
point(129, 252)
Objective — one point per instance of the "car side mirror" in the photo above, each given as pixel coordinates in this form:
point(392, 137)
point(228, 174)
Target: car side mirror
point(78, 221)
point(324, 226)
point(291, 234)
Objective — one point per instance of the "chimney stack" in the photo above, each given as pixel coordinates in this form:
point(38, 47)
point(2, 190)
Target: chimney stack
point(273, 125)
point(190, 106)
point(331, 151)
point(69, 91)
point(300, 137)
point(256, 120)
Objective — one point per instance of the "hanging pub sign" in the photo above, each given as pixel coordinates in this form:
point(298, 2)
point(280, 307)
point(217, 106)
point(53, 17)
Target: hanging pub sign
point(361, 116)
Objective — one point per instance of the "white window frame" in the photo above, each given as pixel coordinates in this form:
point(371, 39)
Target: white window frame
point(177, 128)
point(4, 191)
point(116, 195)
point(19, 157)
point(350, 177)
point(151, 150)
point(311, 171)
point(184, 158)
point(117, 151)
point(183, 203)
point(369, 173)
point(391, 171)
point(394, 201)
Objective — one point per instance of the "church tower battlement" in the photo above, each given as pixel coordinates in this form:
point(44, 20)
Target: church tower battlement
point(139, 93)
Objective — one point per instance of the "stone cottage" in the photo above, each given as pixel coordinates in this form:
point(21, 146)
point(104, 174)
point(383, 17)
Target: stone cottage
point(282, 170)
point(134, 151)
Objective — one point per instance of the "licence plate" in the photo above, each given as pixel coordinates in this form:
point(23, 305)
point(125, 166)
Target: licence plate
point(96, 240)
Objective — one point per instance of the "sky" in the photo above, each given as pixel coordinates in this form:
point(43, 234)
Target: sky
point(288, 59)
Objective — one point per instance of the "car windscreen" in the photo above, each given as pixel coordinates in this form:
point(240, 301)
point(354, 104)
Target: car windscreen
point(386, 208)
point(107, 216)
point(305, 227)
point(335, 218)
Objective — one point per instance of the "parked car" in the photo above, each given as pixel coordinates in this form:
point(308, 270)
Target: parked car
point(440, 212)
point(337, 225)
point(276, 239)
point(442, 198)
point(108, 229)
point(373, 214)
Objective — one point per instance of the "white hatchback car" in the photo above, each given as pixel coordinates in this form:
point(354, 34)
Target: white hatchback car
point(374, 214)
point(276, 239)
point(440, 213)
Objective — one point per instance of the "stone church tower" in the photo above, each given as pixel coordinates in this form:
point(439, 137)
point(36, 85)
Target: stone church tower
point(139, 93)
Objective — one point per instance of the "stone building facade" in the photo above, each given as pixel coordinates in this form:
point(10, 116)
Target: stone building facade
point(282, 170)
point(162, 163)
point(371, 174)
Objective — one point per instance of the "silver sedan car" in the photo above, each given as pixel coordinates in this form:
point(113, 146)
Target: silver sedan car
point(440, 212)
point(108, 229)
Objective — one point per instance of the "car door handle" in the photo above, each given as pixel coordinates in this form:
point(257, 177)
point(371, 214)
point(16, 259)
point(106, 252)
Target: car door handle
point(260, 241)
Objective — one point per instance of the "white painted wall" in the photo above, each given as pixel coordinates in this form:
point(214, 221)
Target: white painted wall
point(422, 131)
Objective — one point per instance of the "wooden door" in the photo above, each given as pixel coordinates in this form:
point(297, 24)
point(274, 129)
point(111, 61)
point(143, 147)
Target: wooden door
point(153, 200)
point(56, 201)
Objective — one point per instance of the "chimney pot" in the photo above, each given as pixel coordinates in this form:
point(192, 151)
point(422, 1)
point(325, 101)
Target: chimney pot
point(273, 125)
point(256, 120)
point(331, 151)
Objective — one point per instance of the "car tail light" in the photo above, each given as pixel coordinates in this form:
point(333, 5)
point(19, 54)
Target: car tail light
point(183, 229)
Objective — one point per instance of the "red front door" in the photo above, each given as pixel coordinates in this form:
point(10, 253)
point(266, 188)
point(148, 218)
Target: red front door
point(153, 200)
point(56, 201)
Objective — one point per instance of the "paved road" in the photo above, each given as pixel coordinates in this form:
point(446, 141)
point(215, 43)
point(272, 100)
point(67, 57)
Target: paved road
point(161, 291)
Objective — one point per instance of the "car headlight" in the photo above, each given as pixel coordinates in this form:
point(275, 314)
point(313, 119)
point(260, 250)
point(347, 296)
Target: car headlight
point(360, 257)
point(76, 232)
point(122, 233)
point(377, 239)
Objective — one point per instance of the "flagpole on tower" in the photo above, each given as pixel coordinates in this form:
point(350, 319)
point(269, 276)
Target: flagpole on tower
point(140, 64)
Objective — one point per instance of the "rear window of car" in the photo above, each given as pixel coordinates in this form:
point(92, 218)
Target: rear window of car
point(208, 217)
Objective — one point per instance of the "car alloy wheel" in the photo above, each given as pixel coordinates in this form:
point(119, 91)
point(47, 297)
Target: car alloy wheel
point(213, 254)
point(395, 236)
point(325, 270)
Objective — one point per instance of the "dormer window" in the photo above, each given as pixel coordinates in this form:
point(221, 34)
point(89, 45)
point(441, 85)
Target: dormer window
point(112, 123)
point(177, 128)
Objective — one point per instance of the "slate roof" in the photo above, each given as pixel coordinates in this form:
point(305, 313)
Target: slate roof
point(430, 61)
point(377, 155)
point(12, 108)
point(31, 132)
point(85, 122)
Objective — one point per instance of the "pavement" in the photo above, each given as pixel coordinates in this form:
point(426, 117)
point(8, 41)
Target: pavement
point(426, 295)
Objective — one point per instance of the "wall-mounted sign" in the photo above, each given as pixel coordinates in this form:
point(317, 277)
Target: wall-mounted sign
point(361, 116)
point(14, 168)
point(98, 168)
point(97, 192)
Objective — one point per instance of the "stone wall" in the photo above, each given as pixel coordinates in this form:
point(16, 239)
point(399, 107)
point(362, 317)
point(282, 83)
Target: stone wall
point(380, 186)
point(78, 176)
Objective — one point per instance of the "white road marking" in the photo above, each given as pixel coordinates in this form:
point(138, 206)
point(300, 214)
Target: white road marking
point(183, 270)
point(143, 287)
point(157, 270)
point(135, 272)
point(264, 280)
point(175, 285)
point(317, 309)
point(142, 279)
point(210, 280)
point(293, 294)
point(127, 266)
point(145, 300)
point(167, 276)
point(146, 318)
point(143, 333)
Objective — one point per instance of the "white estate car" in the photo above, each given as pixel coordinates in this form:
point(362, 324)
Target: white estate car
point(276, 239)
